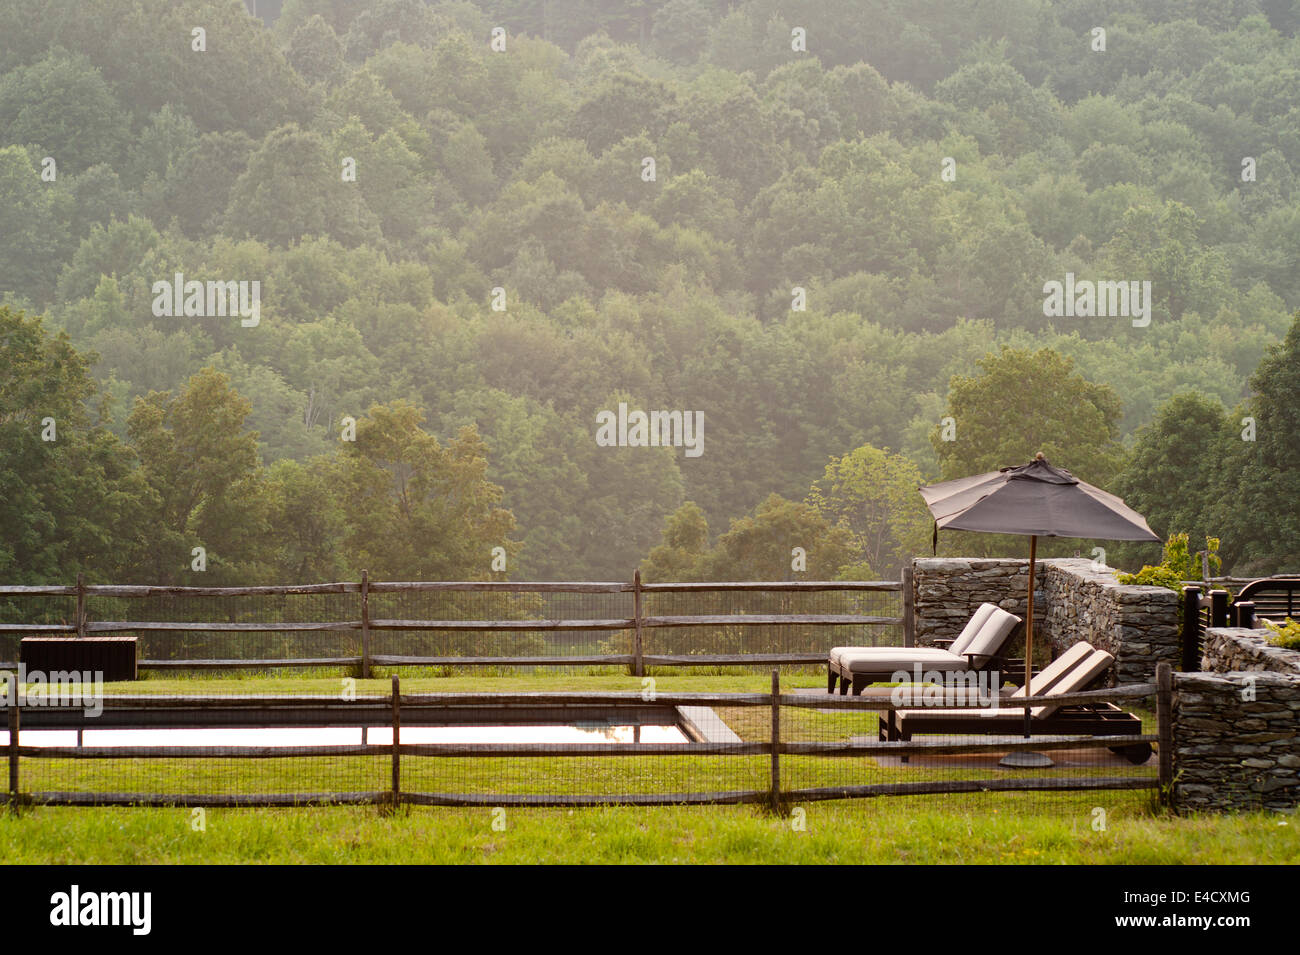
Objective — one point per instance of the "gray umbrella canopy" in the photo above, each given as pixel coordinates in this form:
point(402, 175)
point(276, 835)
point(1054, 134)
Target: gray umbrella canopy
point(1037, 500)
point(1034, 500)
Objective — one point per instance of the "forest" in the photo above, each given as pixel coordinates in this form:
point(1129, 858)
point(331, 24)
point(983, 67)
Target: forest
point(826, 228)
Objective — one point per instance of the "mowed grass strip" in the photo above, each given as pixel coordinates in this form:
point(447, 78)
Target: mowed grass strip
point(548, 775)
point(874, 831)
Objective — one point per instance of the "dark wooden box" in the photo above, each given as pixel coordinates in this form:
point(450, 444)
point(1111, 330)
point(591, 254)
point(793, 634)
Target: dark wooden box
point(114, 656)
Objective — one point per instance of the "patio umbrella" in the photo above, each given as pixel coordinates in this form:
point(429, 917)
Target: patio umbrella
point(1034, 500)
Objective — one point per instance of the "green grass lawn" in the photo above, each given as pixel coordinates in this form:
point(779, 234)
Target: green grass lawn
point(478, 680)
point(878, 831)
point(979, 827)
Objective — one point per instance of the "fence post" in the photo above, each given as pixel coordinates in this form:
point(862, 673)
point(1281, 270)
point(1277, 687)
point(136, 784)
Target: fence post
point(1243, 612)
point(365, 625)
point(638, 665)
point(81, 605)
point(776, 741)
point(1218, 608)
point(1191, 629)
point(909, 609)
point(1165, 728)
point(396, 796)
point(13, 750)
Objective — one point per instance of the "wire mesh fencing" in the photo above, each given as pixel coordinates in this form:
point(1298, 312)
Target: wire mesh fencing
point(574, 749)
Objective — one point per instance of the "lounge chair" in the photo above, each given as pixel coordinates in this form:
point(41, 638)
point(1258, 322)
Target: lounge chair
point(978, 648)
point(1072, 672)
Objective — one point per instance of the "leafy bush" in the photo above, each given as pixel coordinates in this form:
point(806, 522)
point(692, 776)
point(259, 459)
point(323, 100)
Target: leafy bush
point(1157, 576)
point(1285, 635)
point(1176, 565)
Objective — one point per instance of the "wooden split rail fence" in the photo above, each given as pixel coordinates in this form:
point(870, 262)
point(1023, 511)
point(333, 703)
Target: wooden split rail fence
point(639, 624)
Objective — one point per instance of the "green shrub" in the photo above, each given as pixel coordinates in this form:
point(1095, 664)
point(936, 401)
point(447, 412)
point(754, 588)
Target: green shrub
point(1177, 564)
point(1285, 635)
point(1158, 576)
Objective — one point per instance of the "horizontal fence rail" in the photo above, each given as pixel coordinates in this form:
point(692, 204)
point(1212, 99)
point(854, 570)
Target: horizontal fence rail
point(638, 637)
point(396, 711)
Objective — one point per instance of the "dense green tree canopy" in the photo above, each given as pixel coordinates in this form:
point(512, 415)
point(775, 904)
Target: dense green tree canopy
point(824, 251)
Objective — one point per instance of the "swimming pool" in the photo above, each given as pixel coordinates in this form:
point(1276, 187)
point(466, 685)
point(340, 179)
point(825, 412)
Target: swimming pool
point(585, 732)
point(321, 723)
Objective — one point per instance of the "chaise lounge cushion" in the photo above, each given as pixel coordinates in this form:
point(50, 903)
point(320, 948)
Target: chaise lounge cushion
point(978, 642)
point(973, 626)
point(843, 655)
point(985, 644)
point(1076, 680)
point(892, 659)
point(1055, 671)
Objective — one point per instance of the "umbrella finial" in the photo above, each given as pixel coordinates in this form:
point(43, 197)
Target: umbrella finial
point(1039, 456)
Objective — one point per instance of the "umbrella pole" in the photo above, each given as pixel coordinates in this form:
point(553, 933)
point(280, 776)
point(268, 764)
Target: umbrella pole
point(1024, 759)
point(1029, 630)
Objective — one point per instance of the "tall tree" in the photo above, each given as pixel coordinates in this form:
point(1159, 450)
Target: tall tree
point(761, 546)
point(72, 500)
point(685, 544)
point(1023, 402)
point(293, 187)
point(1259, 508)
point(1174, 476)
point(872, 493)
point(63, 105)
point(201, 463)
point(306, 521)
point(33, 227)
point(416, 509)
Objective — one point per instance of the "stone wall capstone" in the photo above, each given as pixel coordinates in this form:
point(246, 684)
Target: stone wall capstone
point(1227, 649)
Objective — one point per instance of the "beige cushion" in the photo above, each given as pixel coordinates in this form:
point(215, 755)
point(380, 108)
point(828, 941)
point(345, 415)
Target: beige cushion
point(901, 658)
point(972, 631)
point(919, 653)
point(991, 636)
point(1073, 682)
point(973, 627)
point(1052, 673)
point(970, 713)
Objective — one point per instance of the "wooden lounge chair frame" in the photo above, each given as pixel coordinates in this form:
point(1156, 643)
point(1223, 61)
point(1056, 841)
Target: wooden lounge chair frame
point(1086, 719)
point(1090, 719)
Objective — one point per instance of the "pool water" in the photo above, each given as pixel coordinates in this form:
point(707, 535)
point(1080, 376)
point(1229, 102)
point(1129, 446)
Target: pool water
point(593, 733)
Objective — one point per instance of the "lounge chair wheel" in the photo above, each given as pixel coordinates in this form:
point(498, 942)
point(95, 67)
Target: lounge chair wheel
point(1136, 754)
